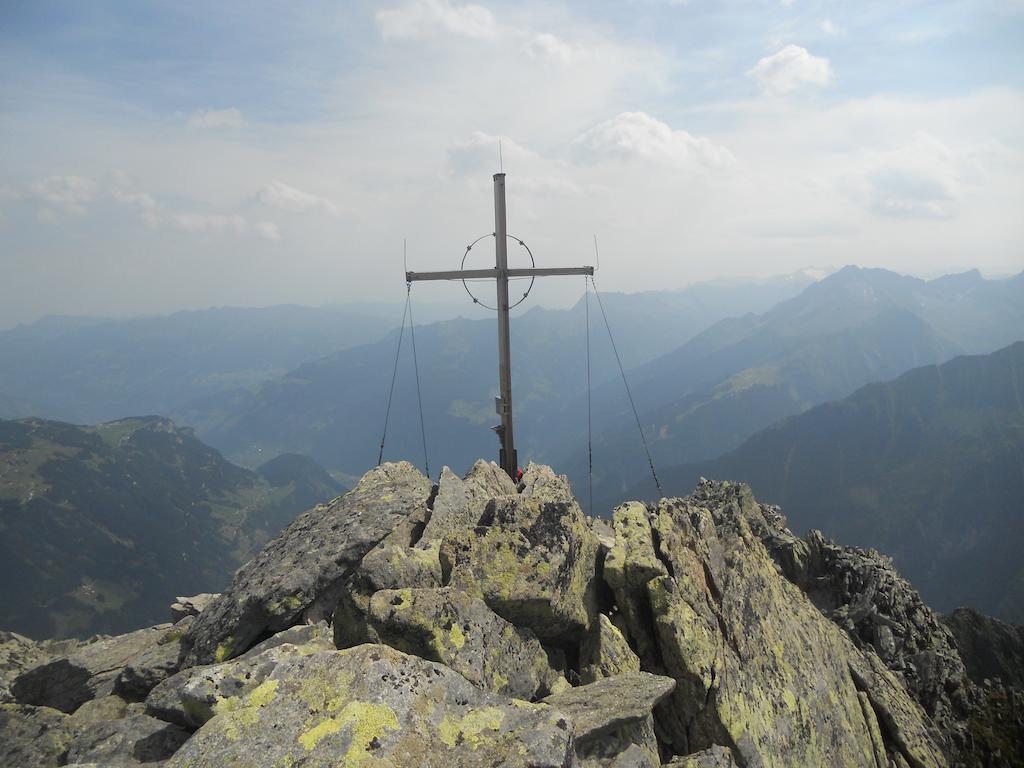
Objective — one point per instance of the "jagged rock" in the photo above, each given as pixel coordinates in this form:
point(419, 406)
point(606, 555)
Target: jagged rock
point(612, 718)
point(301, 573)
point(758, 667)
point(126, 742)
point(189, 697)
point(19, 653)
point(393, 563)
point(460, 502)
point(532, 559)
point(605, 653)
point(151, 665)
point(713, 757)
point(89, 672)
point(991, 649)
point(861, 592)
point(461, 632)
point(33, 737)
point(628, 566)
point(375, 705)
point(191, 606)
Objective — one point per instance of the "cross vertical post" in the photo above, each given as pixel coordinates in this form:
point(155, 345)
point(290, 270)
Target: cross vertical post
point(501, 274)
point(503, 404)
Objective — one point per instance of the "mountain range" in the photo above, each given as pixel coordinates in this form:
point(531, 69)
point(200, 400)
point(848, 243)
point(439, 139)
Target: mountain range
point(928, 468)
point(743, 374)
point(103, 525)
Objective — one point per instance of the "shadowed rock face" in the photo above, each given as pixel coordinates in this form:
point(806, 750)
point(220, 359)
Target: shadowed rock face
point(300, 572)
point(483, 623)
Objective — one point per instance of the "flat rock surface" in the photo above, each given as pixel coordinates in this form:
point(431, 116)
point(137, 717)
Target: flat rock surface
point(612, 702)
point(134, 740)
point(306, 563)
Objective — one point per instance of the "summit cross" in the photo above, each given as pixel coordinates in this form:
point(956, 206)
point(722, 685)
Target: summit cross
point(501, 274)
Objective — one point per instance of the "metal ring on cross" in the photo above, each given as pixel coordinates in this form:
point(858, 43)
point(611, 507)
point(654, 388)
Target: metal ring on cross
point(529, 288)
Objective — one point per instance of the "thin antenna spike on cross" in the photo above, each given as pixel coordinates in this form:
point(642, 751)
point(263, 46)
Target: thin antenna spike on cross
point(501, 274)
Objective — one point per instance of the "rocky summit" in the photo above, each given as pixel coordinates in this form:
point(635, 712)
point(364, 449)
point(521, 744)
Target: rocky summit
point(479, 622)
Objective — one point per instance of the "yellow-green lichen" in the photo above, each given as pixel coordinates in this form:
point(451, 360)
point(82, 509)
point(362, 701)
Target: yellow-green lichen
point(470, 729)
point(365, 722)
point(224, 650)
point(456, 636)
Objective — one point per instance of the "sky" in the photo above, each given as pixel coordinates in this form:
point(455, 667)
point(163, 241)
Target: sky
point(158, 156)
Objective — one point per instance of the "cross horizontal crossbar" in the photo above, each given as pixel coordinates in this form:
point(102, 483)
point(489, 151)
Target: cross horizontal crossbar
point(473, 274)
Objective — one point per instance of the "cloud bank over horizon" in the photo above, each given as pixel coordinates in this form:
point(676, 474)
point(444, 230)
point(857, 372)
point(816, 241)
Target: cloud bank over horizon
point(186, 156)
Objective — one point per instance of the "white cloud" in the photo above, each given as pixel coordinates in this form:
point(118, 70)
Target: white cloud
point(199, 223)
point(214, 119)
point(69, 193)
point(279, 195)
point(638, 135)
point(267, 230)
point(789, 69)
point(920, 179)
point(418, 19)
point(830, 28)
point(551, 47)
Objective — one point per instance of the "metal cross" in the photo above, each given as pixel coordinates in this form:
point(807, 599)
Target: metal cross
point(501, 273)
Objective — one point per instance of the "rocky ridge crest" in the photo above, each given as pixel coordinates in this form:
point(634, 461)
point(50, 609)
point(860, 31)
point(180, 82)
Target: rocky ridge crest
point(477, 622)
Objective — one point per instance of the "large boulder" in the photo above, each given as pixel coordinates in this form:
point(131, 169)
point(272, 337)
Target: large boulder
point(89, 672)
point(758, 666)
point(460, 631)
point(373, 705)
point(532, 559)
point(301, 573)
point(189, 697)
point(612, 718)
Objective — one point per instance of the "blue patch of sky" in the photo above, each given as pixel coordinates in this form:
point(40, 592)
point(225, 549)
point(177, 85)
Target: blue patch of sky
point(274, 62)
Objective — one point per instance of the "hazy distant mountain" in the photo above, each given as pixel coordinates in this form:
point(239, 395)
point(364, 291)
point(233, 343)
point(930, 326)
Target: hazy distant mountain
point(102, 526)
point(88, 370)
point(743, 374)
point(333, 408)
point(928, 468)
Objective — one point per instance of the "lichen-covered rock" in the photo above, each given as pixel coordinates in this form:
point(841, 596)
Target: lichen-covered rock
point(97, 710)
point(460, 502)
point(33, 737)
point(460, 631)
point(90, 671)
point(129, 741)
point(712, 757)
point(188, 698)
point(532, 559)
point(394, 563)
point(301, 573)
point(605, 653)
point(628, 566)
point(373, 705)
point(758, 666)
point(861, 592)
point(612, 718)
